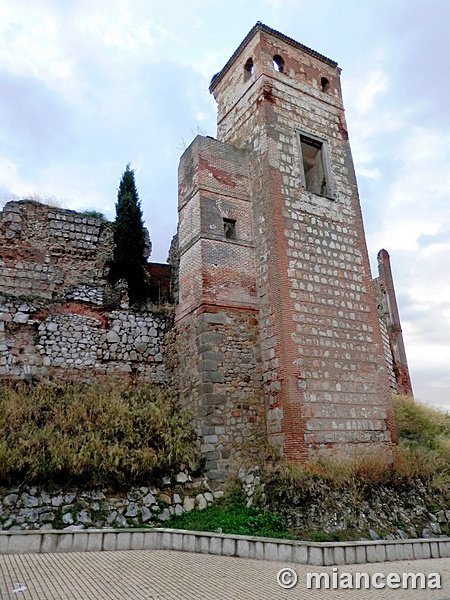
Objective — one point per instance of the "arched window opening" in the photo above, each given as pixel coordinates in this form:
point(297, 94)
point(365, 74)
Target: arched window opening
point(248, 69)
point(278, 63)
point(325, 84)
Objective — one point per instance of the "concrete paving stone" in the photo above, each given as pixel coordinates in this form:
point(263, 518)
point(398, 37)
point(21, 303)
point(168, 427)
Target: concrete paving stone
point(171, 575)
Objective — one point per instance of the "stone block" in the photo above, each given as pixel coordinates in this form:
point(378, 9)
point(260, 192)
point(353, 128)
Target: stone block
point(94, 541)
point(380, 551)
point(444, 550)
point(399, 552)
point(152, 540)
point(257, 551)
point(339, 555)
point(189, 542)
point(203, 544)
point(434, 548)
point(315, 556)
point(215, 545)
point(177, 541)
point(328, 556)
point(426, 552)
point(109, 541)
point(166, 540)
point(390, 552)
point(4, 540)
point(417, 550)
point(49, 542)
point(285, 553)
point(123, 541)
point(243, 548)
point(228, 547)
point(24, 544)
point(64, 542)
point(300, 554)
point(80, 542)
point(361, 556)
point(270, 551)
point(409, 553)
point(218, 318)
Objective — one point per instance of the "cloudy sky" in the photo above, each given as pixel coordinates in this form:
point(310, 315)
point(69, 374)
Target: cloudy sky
point(87, 86)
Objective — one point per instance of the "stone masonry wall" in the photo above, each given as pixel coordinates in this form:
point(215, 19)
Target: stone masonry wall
point(35, 339)
point(323, 363)
point(57, 309)
point(216, 361)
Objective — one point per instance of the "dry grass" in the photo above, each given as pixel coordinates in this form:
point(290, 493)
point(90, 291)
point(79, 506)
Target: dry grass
point(110, 435)
point(423, 454)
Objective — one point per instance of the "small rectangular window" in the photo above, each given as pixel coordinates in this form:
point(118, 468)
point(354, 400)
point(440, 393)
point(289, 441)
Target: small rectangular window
point(315, 169)
point(229, 228)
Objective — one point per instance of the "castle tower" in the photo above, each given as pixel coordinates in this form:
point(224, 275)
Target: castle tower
point(270, 225)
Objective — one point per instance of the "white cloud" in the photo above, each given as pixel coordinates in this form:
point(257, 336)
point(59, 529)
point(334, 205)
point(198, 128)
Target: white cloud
point(376, 82)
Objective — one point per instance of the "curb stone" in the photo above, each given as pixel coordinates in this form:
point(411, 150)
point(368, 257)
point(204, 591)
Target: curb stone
point(284, 551)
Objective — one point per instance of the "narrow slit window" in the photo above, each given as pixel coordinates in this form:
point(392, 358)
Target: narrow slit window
point(229, 228)
point(315, 169)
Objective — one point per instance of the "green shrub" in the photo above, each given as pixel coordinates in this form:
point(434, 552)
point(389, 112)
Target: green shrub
point(113, 435)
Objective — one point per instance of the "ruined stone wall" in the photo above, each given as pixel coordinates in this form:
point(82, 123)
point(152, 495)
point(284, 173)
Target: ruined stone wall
point(389, 317)
point(52, 254)
point(57, 310)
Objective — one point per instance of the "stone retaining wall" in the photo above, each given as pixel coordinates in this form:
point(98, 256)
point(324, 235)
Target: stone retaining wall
point(29, 509)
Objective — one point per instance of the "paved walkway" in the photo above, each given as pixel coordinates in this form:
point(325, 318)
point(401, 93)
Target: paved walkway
point(163, 574)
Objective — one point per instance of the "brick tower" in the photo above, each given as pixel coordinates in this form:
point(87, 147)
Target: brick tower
point(272, 246)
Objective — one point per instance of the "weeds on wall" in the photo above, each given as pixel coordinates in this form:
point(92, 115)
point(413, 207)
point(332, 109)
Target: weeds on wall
point(111, 435)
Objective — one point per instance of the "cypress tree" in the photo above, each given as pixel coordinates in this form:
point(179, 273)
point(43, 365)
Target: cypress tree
point(129, 262)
